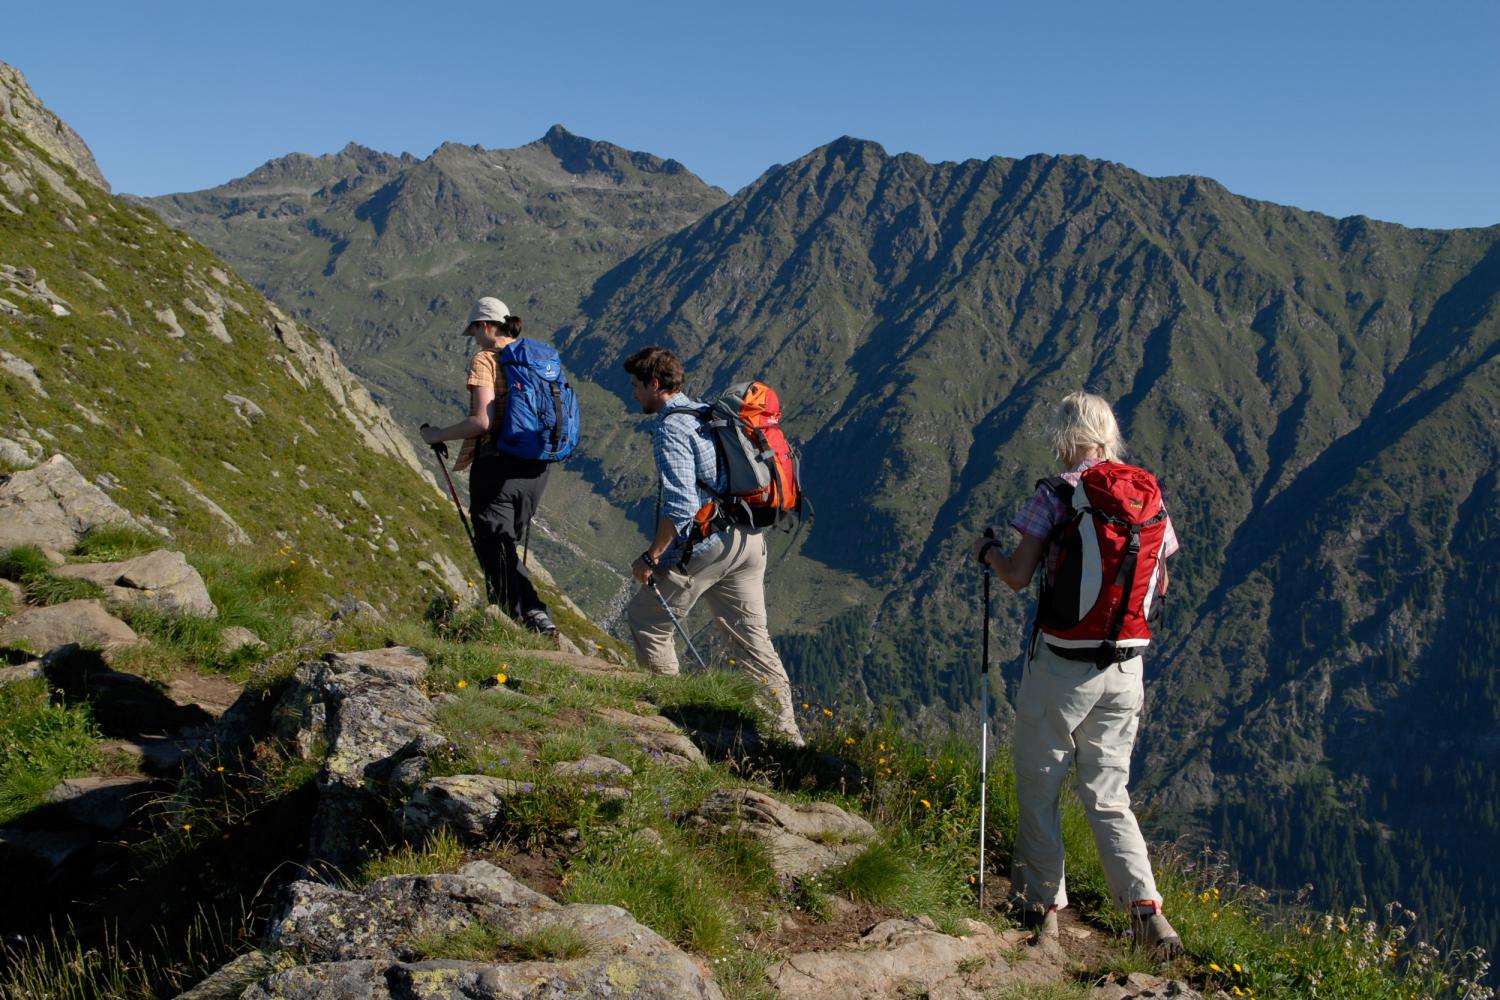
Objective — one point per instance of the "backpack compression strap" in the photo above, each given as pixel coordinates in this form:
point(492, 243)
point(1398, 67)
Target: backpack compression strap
point(1124, 581)
point(557, 426)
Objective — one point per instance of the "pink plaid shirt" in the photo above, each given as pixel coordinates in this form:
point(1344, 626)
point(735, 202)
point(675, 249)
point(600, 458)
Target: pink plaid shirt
point(1044, 511)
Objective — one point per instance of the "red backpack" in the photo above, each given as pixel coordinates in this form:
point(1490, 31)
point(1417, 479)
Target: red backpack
point(761, 467)
point(1104, 572)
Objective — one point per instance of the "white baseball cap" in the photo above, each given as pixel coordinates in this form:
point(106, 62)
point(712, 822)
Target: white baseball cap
point(489, 310)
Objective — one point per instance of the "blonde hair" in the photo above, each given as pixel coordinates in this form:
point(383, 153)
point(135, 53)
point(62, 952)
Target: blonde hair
point(1083, 421)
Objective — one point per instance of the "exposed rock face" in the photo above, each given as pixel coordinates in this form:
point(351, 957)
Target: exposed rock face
point(363, 943)
point(365, 708)
point(659, 737)
point(904, 958)
point(467, 804)
point(160, 579)
point(52, 506)
point(20, 107)
point(803, 840)
point(372, 422)
point(85, 623)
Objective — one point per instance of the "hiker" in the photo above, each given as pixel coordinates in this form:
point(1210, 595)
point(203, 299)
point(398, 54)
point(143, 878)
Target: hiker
point(1081, 690)
point(504, 489)
point(696, 551)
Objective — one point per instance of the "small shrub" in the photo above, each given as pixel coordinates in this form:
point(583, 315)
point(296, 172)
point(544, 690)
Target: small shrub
point(811, 896)
point(548, 806)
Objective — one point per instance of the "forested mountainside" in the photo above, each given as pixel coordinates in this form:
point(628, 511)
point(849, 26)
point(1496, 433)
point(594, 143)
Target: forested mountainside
point(1318, 396)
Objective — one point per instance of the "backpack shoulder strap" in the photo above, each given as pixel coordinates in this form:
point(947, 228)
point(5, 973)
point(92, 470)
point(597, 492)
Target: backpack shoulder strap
point(1060, 487)
point(702, 411)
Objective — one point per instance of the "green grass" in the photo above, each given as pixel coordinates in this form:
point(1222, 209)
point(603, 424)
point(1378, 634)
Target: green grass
point(476, 941)
point(480, 941)
point(113, 544)
point(674, 889)
point(41, 743)
point(27, 566)
point(555, 942)
point(439, 853)
point(60, 967)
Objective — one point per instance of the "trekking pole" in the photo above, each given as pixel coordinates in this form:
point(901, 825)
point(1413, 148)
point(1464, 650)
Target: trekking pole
point(441, 451)
point(984, 713)
point(676, 622)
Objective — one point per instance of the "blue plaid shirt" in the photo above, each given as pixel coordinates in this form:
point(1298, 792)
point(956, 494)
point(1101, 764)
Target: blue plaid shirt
point(685, 459)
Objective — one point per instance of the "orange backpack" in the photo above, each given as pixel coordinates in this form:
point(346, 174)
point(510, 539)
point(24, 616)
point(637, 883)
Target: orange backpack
point(762, 469)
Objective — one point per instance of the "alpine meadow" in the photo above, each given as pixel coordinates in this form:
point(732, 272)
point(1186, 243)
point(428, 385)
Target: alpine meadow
point(348, 777)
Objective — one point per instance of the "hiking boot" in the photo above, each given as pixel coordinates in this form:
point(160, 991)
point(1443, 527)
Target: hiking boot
point(541, 623)
point(1040, 920)
point(1152, 931)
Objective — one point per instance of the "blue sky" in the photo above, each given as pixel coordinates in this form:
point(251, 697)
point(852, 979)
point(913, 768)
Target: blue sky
point(1385, 109)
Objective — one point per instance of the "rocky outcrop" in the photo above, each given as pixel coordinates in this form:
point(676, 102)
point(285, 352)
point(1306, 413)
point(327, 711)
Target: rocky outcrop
point(21, 108)
point(320, 362)
point(802, 840)
point(83, 623)
point(52, 506)
point(469, 805)
point(370, 943)
point(160, 579)
point(658, 737)
point(361, 710)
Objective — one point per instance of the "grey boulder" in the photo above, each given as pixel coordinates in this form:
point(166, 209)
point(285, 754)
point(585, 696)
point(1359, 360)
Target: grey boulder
point(52, 506)
point(84, 622)
point(160, 579)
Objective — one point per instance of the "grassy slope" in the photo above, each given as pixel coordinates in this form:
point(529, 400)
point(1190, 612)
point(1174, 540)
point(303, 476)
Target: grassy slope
point(145, 413)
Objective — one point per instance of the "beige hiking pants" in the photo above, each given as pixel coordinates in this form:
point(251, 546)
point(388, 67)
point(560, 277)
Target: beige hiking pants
point(1074, 713)
point(731, 578)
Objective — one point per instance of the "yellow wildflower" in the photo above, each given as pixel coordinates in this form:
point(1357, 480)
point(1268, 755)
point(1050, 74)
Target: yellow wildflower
point(925, 803)
point(463, 684)
point(499, 678)
point(828, 712)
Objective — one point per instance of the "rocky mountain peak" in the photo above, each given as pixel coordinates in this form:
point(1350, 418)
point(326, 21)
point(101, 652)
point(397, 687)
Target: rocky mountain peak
point(23, 109)
point(579, 155)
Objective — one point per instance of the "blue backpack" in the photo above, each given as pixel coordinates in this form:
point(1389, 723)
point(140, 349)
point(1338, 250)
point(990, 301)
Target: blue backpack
point(541, 409)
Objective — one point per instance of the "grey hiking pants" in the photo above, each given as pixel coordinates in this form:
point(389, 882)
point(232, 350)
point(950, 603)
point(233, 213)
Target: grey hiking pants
point(1074, 713)
point(731, 578)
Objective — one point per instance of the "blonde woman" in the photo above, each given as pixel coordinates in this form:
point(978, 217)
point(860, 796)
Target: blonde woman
point(1102, 537)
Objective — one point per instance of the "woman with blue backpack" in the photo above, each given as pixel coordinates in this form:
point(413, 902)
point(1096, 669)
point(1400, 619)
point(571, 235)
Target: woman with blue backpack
point(523, 416)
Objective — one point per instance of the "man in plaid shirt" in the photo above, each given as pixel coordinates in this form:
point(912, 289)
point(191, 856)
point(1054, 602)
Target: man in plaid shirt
point(694, 552)
point(1076, 713)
